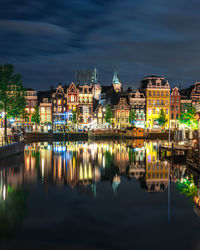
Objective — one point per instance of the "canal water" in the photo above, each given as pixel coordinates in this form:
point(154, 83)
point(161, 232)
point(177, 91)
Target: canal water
point(97, 195)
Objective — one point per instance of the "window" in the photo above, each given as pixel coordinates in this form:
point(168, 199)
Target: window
point(172, 116)
point(54, 101)
point(154, 111)
point(166, 110)
point(149, 111)
point(72, 98)
point(149, 102)
point(59, 102)
point(166, 102)
point(172, 100)
point(176, 108)
point(158, 93)
point(122, 107)
point(177, 116)
point(149, 93)
point(177, 100)
point(162, 94)
point(167, 93)
point(154, 93)
point(158, 102)
point(33, 103)
point(162, 102)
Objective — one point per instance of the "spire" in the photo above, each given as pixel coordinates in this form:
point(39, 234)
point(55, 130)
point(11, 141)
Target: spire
point(95, 76)
point(116, 79)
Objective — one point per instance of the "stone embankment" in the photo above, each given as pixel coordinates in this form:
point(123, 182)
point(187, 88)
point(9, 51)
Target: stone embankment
point(37, 137)
point(74, 136)
point(12, 149)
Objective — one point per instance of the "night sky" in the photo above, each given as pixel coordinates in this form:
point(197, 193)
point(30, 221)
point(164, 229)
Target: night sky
point(47, 41)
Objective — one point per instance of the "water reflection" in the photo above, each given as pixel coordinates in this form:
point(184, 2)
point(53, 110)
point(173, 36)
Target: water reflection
point(83, 164)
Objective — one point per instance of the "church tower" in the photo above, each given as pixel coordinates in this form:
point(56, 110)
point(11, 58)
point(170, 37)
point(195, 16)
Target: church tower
point(96, 85)
point(116, 82)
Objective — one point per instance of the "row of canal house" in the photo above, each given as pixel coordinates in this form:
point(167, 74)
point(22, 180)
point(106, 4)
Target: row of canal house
point(89, 101)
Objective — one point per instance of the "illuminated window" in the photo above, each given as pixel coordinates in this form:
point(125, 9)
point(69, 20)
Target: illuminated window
point(59, 109)
point(59, 102)
point(54, 109)
point(72, 98)
point(54, 101)
point(154, 111)
point(149, 111)
point(42, 110)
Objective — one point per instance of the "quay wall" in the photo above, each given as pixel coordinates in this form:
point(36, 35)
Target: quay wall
point(40, 137)
point(11, 149)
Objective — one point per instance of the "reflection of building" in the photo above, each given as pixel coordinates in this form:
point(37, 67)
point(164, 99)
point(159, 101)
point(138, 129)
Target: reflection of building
point(157, 91)
point(137, 163)
point(156, 172)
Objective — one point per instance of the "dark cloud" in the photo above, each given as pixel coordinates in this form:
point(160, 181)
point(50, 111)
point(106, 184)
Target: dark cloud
point(48, 40)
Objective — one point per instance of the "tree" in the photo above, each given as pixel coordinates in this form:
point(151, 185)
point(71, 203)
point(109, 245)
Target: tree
point(109, 115)
point(132, 117)
point(188, 118)
point(74, 117)
point(162, 118)
point(12, 100)
point(36, 116)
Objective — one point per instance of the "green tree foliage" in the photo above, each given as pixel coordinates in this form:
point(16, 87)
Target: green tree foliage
point(109, 115)
point(36, 116)
point(188, 118)
point(187, 188)
point(74, 117)
point(12, 212)
point(12, 98)
point(162, 118)
point(132, 117)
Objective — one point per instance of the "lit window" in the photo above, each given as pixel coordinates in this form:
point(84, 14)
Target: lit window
point(59, 102)
point(149, 111)
point(72, 98)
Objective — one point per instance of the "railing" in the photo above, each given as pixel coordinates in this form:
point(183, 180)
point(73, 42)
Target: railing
point(10, 139)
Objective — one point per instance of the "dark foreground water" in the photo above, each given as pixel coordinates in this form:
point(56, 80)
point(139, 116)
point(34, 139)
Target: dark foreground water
point(97, 196)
